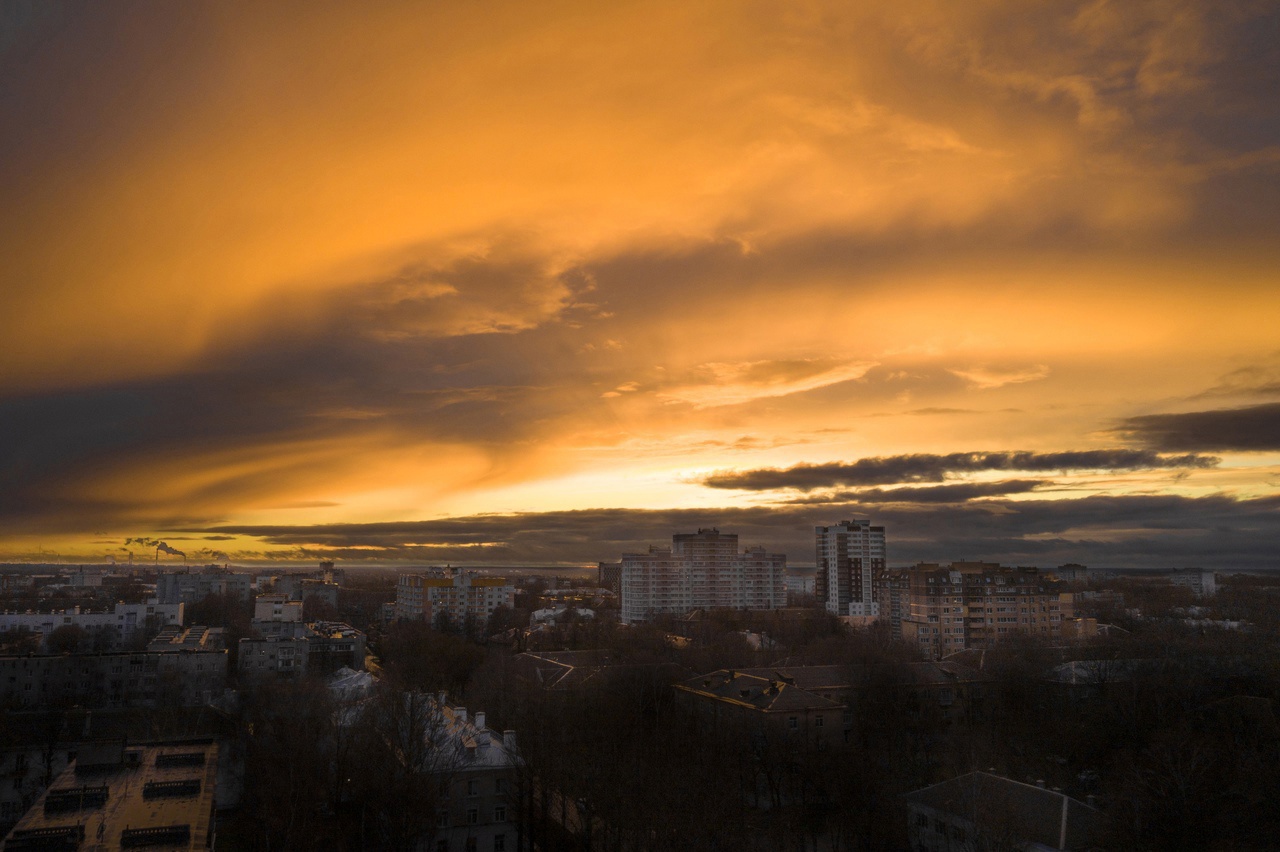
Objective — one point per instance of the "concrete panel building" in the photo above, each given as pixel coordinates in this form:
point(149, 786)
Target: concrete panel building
point(187, 675)
point(109, 631)
point(460, 595)
point(945, 609)
point(702, 570)
point(188, 587)
point(850, 557)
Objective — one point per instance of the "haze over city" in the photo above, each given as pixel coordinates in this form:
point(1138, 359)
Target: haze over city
point(542, 283)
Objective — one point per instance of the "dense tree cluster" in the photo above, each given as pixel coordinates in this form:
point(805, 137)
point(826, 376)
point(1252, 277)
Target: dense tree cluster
point(1168, 726)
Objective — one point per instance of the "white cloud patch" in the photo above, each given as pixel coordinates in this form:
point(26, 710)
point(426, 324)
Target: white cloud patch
point(720, 384)
point(986, 378)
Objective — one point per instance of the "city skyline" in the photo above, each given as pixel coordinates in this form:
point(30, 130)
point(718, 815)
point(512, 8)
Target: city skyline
point(495, 283)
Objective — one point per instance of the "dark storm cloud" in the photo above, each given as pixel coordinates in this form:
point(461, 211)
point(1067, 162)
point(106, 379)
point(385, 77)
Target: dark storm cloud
point(1256, 428)
point(1217, 531)
point(420, 356)
point(929, 467)
point(957, 493)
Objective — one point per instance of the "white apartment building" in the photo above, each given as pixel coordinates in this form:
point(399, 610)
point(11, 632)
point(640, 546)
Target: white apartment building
point(1202, 583)
point(188, 587)
point(851, 558)
point(115, 629)
point(276, 608)
point(702, 570)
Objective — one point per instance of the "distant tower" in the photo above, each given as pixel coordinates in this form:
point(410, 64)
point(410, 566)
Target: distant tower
point(851, 559)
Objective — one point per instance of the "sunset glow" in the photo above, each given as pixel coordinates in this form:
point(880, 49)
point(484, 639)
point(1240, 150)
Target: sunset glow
point(538, 283)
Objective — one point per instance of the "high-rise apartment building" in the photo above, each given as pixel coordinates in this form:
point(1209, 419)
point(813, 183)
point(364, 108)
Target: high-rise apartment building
point(702, 570)
point(851, 563)
point(944, 609)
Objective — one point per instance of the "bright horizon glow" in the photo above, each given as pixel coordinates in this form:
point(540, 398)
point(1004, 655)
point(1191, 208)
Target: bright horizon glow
point(275, 277)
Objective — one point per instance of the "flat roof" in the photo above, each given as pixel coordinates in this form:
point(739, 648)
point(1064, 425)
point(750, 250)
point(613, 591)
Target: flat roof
point(162, 794)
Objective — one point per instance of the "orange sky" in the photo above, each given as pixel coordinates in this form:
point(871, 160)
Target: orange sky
point(275, 273)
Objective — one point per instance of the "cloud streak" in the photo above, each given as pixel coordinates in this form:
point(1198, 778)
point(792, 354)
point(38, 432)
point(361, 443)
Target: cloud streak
point(1141, 530)
point(929, 467)
point(960, 492)
point(1252, 429)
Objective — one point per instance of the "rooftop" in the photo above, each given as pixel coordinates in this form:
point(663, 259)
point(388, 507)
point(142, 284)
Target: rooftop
point(160, 796)
point(1004, 807)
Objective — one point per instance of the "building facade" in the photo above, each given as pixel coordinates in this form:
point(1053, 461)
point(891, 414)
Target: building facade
point(109, 631)
point(702, 570)
point(462, 596)
point(851, 563)
point(973, 605)
point(481, 807)
point(276, 607)
point(292, 649)
point(1202, 583)
point(185, 676)
point(609, 576)
point(187, 587)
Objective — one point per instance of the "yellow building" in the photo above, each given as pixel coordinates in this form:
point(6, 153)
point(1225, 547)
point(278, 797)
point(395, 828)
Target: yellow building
point(461, 595)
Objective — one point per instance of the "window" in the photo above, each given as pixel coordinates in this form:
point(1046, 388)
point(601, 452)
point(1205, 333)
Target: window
point(500, 843)
point(442, 821)
point(473, 816)
point(500, 785)
point(500, 814)
point(473, 788)
point(817, 722)
point(442, 846)
point(793, 722)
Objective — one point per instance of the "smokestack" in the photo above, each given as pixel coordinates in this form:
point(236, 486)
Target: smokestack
point(480, 719)
point(509, 740)
point(462, 713)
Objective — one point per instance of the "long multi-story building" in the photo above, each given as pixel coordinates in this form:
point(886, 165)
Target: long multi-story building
point(189, 587)
point(851, 563)
point(188, 672)
point(462, 596)
point(945, 609)
point(702, 570)
point(108, 631)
